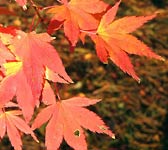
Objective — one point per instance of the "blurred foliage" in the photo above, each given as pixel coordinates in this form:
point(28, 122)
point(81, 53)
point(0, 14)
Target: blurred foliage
point(137, 113)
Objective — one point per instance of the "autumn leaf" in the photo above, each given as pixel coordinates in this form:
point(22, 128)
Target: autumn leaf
point(113, 41)
point(67, 118)
point(75, 15)
point(11, 123)
point(35, 56)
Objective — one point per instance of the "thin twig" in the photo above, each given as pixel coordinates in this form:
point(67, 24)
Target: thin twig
point(32, 23)
point(37, 10)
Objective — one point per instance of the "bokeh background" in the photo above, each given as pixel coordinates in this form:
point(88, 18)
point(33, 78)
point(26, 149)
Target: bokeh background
point(136, 113)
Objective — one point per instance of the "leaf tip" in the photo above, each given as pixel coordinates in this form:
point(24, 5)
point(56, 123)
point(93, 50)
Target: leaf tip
point(35, 138)
point(37, 141)
point(24, 7)
point(113, 136)
point(137, 78)
point(98, 100)
point(162, 59)
point(118, 3)
point(105, 62)
point(53, 38)
point(71, 81)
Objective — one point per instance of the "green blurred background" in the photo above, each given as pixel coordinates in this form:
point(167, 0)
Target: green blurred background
point(136, 113)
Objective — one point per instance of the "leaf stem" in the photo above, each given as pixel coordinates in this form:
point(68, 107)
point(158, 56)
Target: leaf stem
point(37, 10)
point(32, 23)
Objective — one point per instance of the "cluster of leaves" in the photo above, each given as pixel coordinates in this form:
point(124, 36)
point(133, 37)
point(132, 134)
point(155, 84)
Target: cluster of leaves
point(31, 69)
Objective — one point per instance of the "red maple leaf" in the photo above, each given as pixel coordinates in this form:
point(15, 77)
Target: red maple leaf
point(67, 118)
point(11, 123)
point(113, 41)
point(35, 55)
point(75, 15)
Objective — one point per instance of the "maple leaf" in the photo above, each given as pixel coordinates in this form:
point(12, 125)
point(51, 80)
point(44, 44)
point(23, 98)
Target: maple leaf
point(67, 118)
point(75, 15)
point(11, 123)
point(35, 55)
point(113, 41)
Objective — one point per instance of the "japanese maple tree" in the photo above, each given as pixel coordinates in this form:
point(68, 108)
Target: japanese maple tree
point(31, 68)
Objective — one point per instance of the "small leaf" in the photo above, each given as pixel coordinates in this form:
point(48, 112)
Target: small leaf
point(11, 123)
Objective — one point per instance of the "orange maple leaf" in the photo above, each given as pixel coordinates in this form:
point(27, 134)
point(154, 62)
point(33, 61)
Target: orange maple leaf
point(113, 41)
point(75, 15)
point(66, 120)
point(11, 123)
